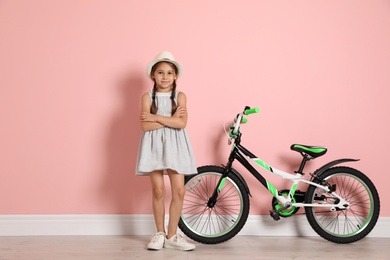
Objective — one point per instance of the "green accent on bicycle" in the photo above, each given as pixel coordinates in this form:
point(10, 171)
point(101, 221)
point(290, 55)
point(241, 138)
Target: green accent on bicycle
point(293, 189)
point(313, 149)
point(251, 111)
point(231, 132)
point(287, 212)
point(272, 189)
point(244, 120)
point(263, 164)
point(220, 187)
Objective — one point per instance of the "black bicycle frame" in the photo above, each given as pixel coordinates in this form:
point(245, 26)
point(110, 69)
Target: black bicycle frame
point(236, 155)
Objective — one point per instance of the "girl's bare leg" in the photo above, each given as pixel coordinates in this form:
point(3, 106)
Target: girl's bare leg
point(177, 187)
point(158, 195)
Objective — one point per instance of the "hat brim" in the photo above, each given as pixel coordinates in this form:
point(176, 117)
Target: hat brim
point(154, 62)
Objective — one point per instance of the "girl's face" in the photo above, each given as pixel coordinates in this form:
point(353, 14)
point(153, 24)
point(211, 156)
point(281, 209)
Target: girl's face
point(164, 76)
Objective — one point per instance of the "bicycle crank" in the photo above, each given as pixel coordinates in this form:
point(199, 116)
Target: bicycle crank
point(286, 210)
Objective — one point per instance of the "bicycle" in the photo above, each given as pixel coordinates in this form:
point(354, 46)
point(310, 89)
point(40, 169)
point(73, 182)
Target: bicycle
point(341, 203)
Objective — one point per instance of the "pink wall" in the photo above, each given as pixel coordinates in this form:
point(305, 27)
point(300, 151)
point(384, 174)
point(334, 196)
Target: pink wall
point(72, 74)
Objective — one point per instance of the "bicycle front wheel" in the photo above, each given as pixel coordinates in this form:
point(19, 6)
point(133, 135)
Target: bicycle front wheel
point(352, 223)
point(212, 225)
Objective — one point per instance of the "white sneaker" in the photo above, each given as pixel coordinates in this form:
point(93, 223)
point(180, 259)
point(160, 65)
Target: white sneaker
point(178, 242)
point(157, 241)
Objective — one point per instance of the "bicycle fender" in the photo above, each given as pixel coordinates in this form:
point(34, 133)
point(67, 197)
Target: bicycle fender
point(333, 163)
point(239, 176)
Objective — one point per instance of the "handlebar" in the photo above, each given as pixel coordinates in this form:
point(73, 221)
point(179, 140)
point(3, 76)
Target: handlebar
point(251, 111)
point(240, 117)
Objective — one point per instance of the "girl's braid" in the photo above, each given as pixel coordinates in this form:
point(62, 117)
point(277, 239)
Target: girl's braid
point(153, 107)
point(173, 93)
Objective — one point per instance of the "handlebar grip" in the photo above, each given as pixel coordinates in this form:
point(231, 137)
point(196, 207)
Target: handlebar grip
point(251, 111)
point(244, 120)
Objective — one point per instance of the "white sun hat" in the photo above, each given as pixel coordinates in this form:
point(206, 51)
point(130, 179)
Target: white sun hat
point(167, 57)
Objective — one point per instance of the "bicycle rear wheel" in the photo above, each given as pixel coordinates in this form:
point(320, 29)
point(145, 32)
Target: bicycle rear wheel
point(344, 225)
point(212, 225)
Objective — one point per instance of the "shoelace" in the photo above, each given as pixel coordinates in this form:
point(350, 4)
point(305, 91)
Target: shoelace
point(180, 239)
point(156, 236)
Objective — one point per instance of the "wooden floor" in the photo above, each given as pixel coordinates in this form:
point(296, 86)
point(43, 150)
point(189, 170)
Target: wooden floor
point(239, 248)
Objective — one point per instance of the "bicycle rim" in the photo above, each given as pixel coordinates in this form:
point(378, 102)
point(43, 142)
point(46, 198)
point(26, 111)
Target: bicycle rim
point(218, 220)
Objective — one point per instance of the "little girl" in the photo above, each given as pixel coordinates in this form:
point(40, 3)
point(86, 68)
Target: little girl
point(165, 148)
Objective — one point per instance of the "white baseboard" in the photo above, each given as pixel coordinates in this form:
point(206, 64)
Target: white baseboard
point(75, 225)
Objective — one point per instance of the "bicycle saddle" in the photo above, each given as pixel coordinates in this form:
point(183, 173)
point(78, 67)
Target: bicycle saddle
point(313, 151)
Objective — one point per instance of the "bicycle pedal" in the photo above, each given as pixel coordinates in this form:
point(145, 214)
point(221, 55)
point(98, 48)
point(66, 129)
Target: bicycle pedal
point(274, 215)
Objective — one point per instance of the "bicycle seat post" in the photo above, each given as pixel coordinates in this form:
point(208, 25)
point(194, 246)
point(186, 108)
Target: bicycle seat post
point(306, 158)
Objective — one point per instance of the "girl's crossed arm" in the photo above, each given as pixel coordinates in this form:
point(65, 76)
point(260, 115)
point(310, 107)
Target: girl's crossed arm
point(151, 122)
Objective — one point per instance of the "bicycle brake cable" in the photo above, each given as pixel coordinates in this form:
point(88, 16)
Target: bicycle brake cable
point(227, 134)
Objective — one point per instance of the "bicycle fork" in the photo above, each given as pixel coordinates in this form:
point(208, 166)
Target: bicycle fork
point(213, 199)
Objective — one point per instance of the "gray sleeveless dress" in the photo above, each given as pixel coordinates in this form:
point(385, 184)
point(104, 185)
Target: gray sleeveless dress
point(165, 148)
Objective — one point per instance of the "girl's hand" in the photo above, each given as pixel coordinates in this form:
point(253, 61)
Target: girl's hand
point(180, 111)
point(148, 117)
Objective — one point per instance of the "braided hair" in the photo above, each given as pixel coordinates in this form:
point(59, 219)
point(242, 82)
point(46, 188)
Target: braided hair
point(153, 107)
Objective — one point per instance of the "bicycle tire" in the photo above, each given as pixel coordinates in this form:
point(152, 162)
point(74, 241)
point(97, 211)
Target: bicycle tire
point(223, 221)
point(344, 225)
